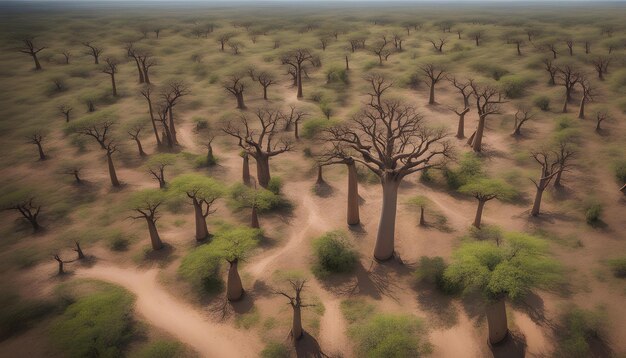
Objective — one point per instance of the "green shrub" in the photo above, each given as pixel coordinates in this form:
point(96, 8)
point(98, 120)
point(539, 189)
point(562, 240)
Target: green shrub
point(618, 266)
point(430, 270)
point(161, 349)
point(337, 75)
point(333, 254)
point(390, 336)
point(356, 309)
point(579, 328)
point(514, 85)
point(488, 69)
point(620, 171)
point(99, 324)
point(17, 314)
point(470, 167)
point(275, 350)
point(542, 102)
point(118, 243)
point(313, 127)
point(593, 212)
point(274, 185)
point(201, 268)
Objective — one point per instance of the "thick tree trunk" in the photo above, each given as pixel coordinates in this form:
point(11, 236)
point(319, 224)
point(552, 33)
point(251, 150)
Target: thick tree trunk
point(254, 218)
point(386, 227)
point(112, 173)
point(581, 111)
point(146, 78)
point(37, 64)
point(263, 169)
point(42, 156)
point(353, 195)
point(470, 140)
point(557, 178)
point(295, 130)
point(140, 148)
point(519, 52)
point(347, 64)
point(460, 132)
point(246, 169)
point(537, 203)
point(113, 85)
point(296, 326)
point(265, 93)
point(79, 251)
point(202, 232)
point(299, 78)
point(76, 177)
point(479, 213)
point(61, 271)
point(478, 139)
point(422, 220)
point(496, 320)
point(234, 288)
point(155, 240)
point(141, 80)
point(240, 103)
point(431, 97)
point(320, 177)
point(172, 126)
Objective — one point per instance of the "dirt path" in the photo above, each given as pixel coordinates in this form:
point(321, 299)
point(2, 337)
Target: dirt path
point(186, 323)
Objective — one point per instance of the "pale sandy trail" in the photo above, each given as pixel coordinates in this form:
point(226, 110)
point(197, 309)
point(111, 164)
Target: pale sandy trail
point(187, 324)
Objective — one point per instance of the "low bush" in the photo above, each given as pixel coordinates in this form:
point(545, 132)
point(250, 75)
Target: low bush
point(337, 75)
point(514, 85)
point(275, 350)
point(162, 349)
point(488, 69)
point(17, 314)
point(542, 102)
point(333, 254)
point(469, 167)
point(313, 127)
point(620, 171)
point(618, 266)
point(390, 336)
point(579, 331)
point(274, 185)
point(593, 212)
point(356, 309)
point(430, 270)
point(201, 268)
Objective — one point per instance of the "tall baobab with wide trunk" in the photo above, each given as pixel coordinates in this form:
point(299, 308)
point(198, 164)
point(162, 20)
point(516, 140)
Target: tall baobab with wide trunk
point(162, 117)
point(93, 51)
point(337, 156)
point(111, 148)
point(146, 92)
point(488, 99)
point(203, 192)
point(146, 203)
point(234, 246)
point(460, 131)
point(32, 50)
point(464, 88)
point(296, 303)
point(260, 143)
point(297, 59)
point(172, 94)
point(111, 69)
point(132, 52)
point(569, 77)
point(550, 165)
point(433, 73)
point(391, 139)
point(236, 85)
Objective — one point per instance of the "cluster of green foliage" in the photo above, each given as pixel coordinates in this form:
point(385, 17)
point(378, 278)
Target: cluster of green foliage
point(510, 268)
point(485, 187)
point(542, 102)
point(514, 86)
point(489, 69)
point(618, 266)
point(201, 268)
point(431, 270)
point(275, 185)
point(333, 254)
point(242, 196)
point(470, 167)
point(275, 350)
point(593, 211)
point(314, 127)
point(18, 314)
point(356, 309)
point(620, 171)
point(162, 349)
point(337, 75)
point(234, 242)
point(578, 330)
point(96, 325)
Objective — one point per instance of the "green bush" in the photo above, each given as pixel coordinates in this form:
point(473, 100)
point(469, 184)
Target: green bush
point(578, 330)
point(470, 167)
point(514, 85)
point(620, 171)
point(97, 325)
point(390, 336)
point(201, 268)
point(430, 270)
point(17, 314)
point(593, 212)
point(356, 309)
point(118, 243)
point(313, 127)
point(542, 102)
point(333, 254)
point(275, 350)
point(488, 69)
point(337, 75)
point(274, 185)
point(161, 349)
point(618, 266)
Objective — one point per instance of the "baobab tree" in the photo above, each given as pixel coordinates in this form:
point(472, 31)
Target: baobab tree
point(234, 245)
point(294, 295)
point(587, 95)
point(477, 35)
point(484, 190)
point(460, 132)
point(463, 87)
point(67, 55)
point(37, 137)
point(29, 48)
point(146, 202)
point(550, 67)
point(134, 131)
point(601, 116)
point(260, 144)
point(61, 264)
point(488, 99)
point(235, 85)
point(146, 92)
point(264, 78)
point(518, 44)
point(235, 47)
point(293, 118)
point(74, 169)
point(257, 200)
point(156, 167)
point(131, 51)
point(379, 48)
point(550, 165)
point(162, 117)
point(65, 110)
point(336, 155)
point(324, 40)
point(438, 44)
point(111, 69)
point(391, 139)
point(601, 65)
point(566, 154)
point(522, 115)
point(25, 202)
point(93, 51)
point(111, 148)
point(509, 269)
point(97, 126)
point(570, 46)
point(171, 95)
point(223, 39)
point(297, 59)
point(203, 192)
point(550, 45)
point(397, 41)
point(569, 77)
point(433, 73)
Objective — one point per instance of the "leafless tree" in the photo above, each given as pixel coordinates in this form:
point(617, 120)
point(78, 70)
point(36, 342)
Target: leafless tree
point(477, 35)
point(236, 85)
point(111, 148)
point(37, 138)
point(29, 48)
point(260, 143)
point(99, 130)
point(162, 116)
point(293, 118)
point(93, 50)
point(172, 94)
point(601, 116)
point(73, 170)
point(550, 164)
point(587, 95)
point(29, 208)
point(67, 55)
point(464, 89)
point(601, 64)
point(134, 132)
point(569, 77)
point(551, 46)
point(146, 92)
point(460, 132)
point(438, 44)
point(397, 41)
point(391, 139)
point(149, 211)
point(264, 78)
point(324, 39)
point(132, 52)
point(61, 263)
point(297, 59)
point(488, 99)
point(110, 68)
point(565, 154)
point(65, 110)
point(223, 39)
point(522, 115)
point(379, 48)
point(296, 303)
point(570, 46)
point(433, 73)
point(235, 46)
point(157, 31)
point(549, 66)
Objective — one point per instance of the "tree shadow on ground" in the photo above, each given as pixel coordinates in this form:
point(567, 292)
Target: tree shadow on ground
point(323, 190)
point(441, 311)
point(160, 258)
point(308, 347)
point(533, 305)
point(513, 346)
